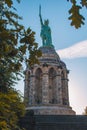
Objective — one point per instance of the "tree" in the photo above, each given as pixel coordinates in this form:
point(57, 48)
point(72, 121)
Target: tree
point(11, 110)
point(15, 44)
point(75, 15)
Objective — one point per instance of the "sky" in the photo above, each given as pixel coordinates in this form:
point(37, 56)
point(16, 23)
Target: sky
point(70, 43)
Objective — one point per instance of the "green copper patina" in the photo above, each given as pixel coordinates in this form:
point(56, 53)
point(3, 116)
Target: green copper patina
point(45, 31)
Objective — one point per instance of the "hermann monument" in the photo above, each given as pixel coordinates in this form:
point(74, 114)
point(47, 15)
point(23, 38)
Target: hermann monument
point(46, 84)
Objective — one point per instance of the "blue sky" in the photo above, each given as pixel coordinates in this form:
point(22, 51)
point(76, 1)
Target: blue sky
point(70, 43)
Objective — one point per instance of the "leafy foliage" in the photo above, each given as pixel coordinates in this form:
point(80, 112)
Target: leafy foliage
point(29, 44)
point(17, 46)
point(84, 3)
point(11, 109)
point(16, 43)
point(76, 18)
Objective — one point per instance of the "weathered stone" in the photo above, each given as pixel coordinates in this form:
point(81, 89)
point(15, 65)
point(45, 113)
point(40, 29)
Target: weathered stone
point(46, 85)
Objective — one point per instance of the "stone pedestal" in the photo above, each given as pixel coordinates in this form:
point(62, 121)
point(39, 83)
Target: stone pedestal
point(51, 110)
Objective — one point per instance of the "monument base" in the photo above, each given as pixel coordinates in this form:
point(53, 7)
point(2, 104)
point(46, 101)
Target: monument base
point(53, 122)
point(51, 110)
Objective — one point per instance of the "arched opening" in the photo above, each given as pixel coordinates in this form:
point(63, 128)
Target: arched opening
point(38, 86)
point(52, 86)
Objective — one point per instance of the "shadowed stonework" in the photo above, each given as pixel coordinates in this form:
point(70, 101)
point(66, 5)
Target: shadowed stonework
point(54, 122)
point(46, 85)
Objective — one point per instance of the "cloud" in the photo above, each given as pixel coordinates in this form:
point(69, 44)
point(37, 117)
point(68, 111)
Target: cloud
point(78, 50)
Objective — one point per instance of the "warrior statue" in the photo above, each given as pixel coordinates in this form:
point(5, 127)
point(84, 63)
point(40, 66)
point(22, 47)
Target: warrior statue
point(45, 31)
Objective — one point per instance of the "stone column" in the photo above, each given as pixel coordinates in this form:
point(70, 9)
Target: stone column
point(26, 87)
point(32, 90)
point(45, 86)
point(58, 89)
point(66, 91)
point(65, 88)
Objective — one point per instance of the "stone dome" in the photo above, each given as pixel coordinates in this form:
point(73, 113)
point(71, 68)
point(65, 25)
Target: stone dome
point(49, 56)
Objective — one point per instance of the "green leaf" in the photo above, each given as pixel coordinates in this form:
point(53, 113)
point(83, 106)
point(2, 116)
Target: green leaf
point(9, 3)
point(84, 3)
point(76, 18)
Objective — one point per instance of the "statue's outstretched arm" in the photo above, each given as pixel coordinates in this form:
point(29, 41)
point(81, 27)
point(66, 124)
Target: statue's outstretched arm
point(41, 21)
